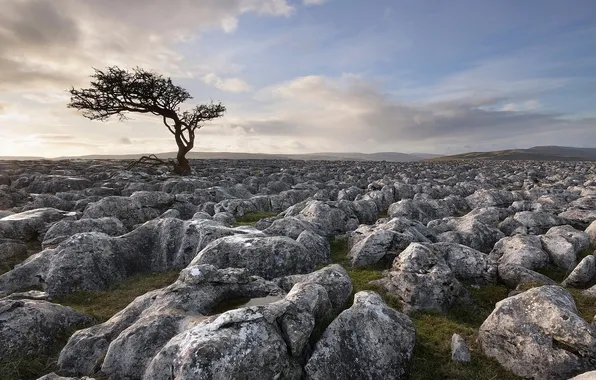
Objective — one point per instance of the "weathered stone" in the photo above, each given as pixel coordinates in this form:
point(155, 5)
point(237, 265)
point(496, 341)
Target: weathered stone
point(33, 327)
point(539, 334)
point(64, 229)
point(583, 274)
point(268, 257)
point(423, 280)
point(460, 352)
point(522, 250)
point(31, 225)
point(367, 341)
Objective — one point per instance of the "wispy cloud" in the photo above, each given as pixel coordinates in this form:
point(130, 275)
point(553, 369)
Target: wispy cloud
point(228, 84)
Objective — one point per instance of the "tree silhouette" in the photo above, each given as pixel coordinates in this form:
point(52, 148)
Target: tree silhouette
point(116, 92)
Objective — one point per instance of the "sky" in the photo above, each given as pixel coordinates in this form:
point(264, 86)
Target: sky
point(303, 76)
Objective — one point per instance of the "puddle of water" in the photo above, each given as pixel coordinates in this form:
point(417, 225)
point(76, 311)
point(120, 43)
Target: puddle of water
point(237, 303)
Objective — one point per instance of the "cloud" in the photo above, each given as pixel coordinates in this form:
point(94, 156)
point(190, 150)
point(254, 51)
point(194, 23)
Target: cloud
point(235, 85)
point(356, 114)
point(125, 141)
point(313, 2)
point(54, 44)
point(54, 138)
point(528, 105)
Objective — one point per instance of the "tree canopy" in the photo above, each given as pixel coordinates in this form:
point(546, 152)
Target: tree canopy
point(117, 92)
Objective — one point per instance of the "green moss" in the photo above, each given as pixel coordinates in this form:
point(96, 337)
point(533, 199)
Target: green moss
point(253, 217)
point(585, 305)
point(432, 352)
point(584, 253)
point(103, 305)
point(554, 273)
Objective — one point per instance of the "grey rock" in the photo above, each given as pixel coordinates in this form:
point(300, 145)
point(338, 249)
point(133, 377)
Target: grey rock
point(468, 231)
point(551, 340)
point(492, 197)
point(522, 250)
point(538, 222)
point(11, 249)
point(583, 274)
point(591, 231)
point(369, 244)
point(514, 275)
point(585, 376)
point(423, 210)
point(372, 248)
point(91, 261)
point(128, 210)
point(467, 264)
point(256, 342)
point(460, 352)
point(511, 226)
point(579, 239)
point(334, 278)
point(32, 327)
point(561, 251)
point(423, 280)
point(316, 245)
point(290, 226)
point(53, 376)
point(123, 346)
point(64, 229)
point(268, 257)
point(329, 219)
point(57, 183)
point(367, 341)
point(31, 225)
point(225, 218)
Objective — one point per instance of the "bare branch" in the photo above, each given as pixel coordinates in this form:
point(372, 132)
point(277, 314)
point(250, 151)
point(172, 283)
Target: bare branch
point(118, 92)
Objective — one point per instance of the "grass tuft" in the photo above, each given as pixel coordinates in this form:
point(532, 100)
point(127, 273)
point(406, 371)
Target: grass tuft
point(252, 217)
point(104, 304)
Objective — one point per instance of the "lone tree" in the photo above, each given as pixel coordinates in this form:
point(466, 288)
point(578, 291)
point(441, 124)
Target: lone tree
point(115, 91)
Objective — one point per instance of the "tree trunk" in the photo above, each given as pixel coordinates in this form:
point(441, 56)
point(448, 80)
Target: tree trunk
point(182, 166)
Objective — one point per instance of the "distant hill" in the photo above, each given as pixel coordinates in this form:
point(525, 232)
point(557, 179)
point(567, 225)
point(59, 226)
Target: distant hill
point(331, 156)
point(537, 153)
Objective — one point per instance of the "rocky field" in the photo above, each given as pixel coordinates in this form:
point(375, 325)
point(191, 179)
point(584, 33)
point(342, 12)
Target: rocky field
point(289, 270)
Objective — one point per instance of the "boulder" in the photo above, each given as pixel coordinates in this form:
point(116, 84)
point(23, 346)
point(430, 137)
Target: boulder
point(268, 257)
point(591, 231)
point(537, 222)
point(579, 239)
point(468, 231)
point(584, 273)
point(123, 346)
point(515, 275)
point(522, 250)
point(329, 219)
point(460, 352)
point(561, 251)
point(467, 264)
point(369, 340)
point(128, 210)
point(490, 198)
point(64, 229)
point(264, 342)
point(538, 334)
point(93, 260)
point(422, 280)
point(33, 327)
point(32, 224)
